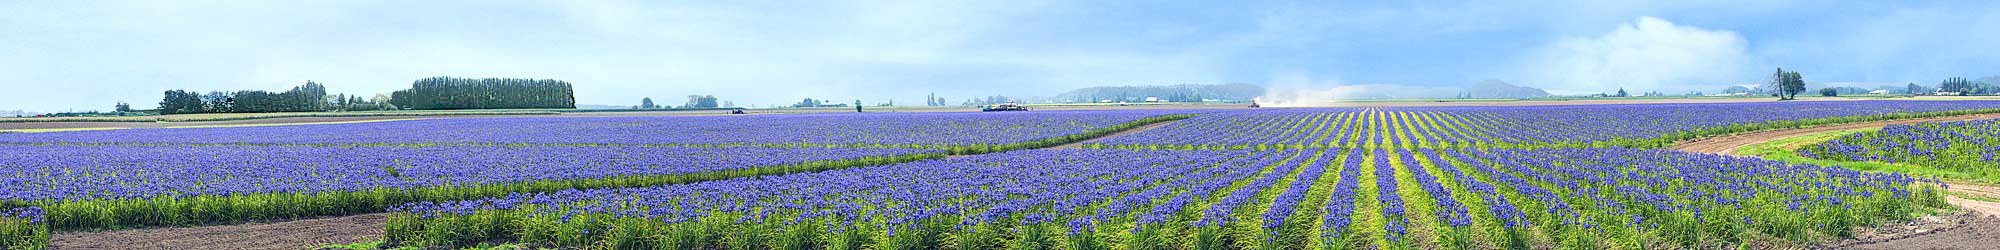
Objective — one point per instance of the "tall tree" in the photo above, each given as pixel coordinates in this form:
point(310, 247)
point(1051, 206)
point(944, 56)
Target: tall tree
point(701, 101)
point(1956, 84)
point(488, 93)
point(1787, 83)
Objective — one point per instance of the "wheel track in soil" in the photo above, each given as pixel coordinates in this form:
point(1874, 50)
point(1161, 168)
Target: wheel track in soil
point(1980, 230)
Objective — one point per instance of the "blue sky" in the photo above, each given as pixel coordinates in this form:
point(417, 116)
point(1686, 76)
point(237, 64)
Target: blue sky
point(84, 55)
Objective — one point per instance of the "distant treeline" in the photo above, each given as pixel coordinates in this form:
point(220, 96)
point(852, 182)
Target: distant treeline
point(311, 97)
point(489, 93)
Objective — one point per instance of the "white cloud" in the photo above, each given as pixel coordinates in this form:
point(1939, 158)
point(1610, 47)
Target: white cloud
point(1645, 54)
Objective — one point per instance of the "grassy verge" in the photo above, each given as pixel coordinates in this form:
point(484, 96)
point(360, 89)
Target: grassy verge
point(1786, 150)
point(17, 233)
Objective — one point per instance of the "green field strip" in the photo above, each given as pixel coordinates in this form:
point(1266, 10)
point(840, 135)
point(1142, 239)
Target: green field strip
point(1421, 207)
point(1530, 229)
point(1246, 230)
point(1313, 237)
point(1299, 229)
point(1367, 226)
point(1116, 230)
point(1189, 235)
point(1472, 237)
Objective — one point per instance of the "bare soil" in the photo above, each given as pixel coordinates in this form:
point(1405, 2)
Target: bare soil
point(296, 234)
point(1965, 229)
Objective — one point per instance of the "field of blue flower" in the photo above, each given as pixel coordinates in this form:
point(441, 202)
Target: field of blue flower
point(1971, 147)
point(1441, 177)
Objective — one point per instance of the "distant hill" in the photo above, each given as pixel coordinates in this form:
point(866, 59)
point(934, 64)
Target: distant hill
point(1500, 89)
point(13, 113)
point(1181, 92)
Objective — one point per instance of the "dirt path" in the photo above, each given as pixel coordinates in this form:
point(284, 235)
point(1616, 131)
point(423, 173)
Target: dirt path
point(1726, 144)
point(296, 234)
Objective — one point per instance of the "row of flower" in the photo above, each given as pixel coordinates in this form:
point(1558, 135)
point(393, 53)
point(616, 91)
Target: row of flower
point(1590, 125)
point(1965, 146)
point(122, 186)
point(1275, 199)
point(930, 129)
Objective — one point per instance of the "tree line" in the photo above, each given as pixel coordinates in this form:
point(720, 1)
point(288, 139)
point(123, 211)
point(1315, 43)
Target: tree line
point(489, 93)
point(309, 97)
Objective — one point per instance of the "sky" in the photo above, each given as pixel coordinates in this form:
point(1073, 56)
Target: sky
point(85, 55)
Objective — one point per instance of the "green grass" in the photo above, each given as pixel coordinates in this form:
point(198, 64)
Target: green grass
point(17, 233)
point(363, 245)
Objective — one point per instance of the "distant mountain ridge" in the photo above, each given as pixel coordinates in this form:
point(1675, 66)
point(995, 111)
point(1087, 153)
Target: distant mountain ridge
point(14, 113)
point(1179, 92)
point(1500, 89)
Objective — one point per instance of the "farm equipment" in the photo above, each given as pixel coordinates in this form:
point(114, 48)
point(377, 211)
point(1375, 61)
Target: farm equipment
point(1004, 107)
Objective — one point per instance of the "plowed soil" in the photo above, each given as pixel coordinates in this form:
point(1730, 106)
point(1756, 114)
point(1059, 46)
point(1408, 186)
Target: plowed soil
point(296, 234)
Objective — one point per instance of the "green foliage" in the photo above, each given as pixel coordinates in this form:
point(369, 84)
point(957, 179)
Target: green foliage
point(310, 97)
point(16, 233)
point(1959, 85)
point(1787, 83)
point(489, 93)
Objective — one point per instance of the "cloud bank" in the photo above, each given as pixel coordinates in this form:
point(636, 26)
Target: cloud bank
point(1648, 53)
